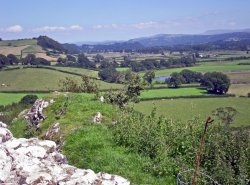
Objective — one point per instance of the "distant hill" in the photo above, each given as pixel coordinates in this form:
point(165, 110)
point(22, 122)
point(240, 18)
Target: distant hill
point(72, 48)
point(168, 40)
point(171, 40)
point(113, 47)
point(37, 46)
point(46, 42)
point(222, 31)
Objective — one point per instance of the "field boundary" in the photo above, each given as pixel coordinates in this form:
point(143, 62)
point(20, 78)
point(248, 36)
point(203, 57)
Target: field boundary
point(46, 67)
point(188, 97)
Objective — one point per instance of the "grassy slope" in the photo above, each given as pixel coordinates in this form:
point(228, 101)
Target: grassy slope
point(80, 71)
point(39, 80)
point(23, 42)
point(185, 109)
point(8, 98)
point(92, 146)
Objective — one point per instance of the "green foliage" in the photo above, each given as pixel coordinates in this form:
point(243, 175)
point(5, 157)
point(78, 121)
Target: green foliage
point(69, 85)
point(175, 80)
point(29, 99)
point(226, 156)
point(172, 146)
point(71, 58)
point(225, 114)
point(47, 42)
point(87, 85)
point(42, 61)
point(131, 92)
point(85, 62)
point(191, 76)
point(29, 59)
point(3, 60)
point(109, 74)
point(149, 76)
point(13, 60)
point(216, 82)
point(9, 112)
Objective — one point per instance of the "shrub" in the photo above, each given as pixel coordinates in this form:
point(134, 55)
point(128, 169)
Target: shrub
point(87, 85)
point(172, 146)
point(29, 99)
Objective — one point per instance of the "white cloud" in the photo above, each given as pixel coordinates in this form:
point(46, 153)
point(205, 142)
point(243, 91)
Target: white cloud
point(145, 25)
point(96, 27)
point(232, 23)
point(150, 24)
point(58, 28)
point(14, 29)
point(76, 28)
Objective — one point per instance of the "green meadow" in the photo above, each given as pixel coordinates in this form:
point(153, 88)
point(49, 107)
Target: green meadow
point(186, 109)
point(173, 92)
point(38, 79)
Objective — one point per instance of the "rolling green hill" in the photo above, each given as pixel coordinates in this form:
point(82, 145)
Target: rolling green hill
point(38, 79)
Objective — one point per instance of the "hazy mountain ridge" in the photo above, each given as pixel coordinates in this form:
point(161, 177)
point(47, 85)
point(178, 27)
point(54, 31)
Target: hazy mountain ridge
point(168, 40)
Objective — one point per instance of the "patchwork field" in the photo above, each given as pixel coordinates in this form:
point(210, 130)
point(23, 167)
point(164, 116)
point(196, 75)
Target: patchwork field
point(208, 67)
point(186, 109)
point(5, 50)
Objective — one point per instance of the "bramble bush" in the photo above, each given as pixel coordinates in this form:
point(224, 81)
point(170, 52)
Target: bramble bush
point(172, 146)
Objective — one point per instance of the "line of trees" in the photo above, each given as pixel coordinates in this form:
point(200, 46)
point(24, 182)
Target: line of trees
point(215, 82)
point(80, 61)
point(153, 64)
point(30, 59)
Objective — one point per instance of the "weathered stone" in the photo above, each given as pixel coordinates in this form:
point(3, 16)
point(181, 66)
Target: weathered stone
point(37, 162)
point(102, 99)
point(35, 114)
point(54, 130)
point(97, 118)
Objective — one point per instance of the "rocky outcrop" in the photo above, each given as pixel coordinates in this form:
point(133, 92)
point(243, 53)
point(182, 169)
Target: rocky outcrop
point(35, 114)
point(37, 162)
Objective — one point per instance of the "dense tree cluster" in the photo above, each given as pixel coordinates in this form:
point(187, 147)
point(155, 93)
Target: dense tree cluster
point(109, 74)
point(80, 61)
point(152, 64)
point(30, 59)
point(215, 82)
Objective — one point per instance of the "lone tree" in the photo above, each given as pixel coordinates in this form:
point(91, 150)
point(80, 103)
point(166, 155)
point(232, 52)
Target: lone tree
point(175, 80)
point(216, 82)
point(130, 93)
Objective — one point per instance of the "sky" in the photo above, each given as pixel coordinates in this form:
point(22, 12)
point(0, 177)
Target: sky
point(104, 20)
